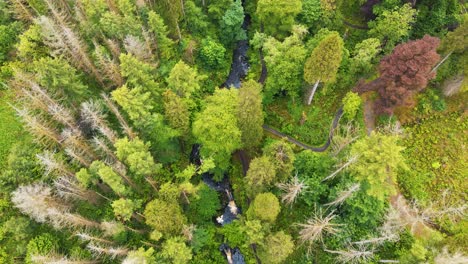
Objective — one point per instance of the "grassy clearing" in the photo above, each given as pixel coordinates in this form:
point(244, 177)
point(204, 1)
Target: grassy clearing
point(11, 130)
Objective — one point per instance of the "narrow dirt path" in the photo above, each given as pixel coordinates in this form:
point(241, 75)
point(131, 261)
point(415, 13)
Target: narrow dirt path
point(369, 116)
point(335, 122)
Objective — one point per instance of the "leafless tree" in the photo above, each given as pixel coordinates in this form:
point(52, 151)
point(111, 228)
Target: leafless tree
point(344, 194)
point(128, 130)
point(344, 135)
point(21, 10)
point(350, 161)
point(52, 164)
point(317, 226)
point(75, 140)
point(68, 187)
point(77, 156)
point(108, 66)
point(53, 258)
point(187, 231)
point(92, 113)
point(42, 130)
point(88, 237)
point(113, 252)
point(137, 48)
point(353, 254)
point(292, 190)
point(445, 257)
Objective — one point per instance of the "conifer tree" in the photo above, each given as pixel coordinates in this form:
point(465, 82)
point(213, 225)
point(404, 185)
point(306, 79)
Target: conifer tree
point(250, 114)
point(323, 63)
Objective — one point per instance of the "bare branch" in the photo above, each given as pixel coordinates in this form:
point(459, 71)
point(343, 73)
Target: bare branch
point(292, 190)
point(345, 194)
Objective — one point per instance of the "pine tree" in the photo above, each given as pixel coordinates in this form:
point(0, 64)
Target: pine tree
point(323, 63)
point(250, 114)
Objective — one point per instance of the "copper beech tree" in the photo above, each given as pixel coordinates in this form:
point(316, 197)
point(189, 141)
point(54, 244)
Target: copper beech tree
point(403, 73)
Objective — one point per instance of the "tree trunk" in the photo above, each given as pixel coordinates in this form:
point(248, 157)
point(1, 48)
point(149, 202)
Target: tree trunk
point(441, 62)
point(311, 96)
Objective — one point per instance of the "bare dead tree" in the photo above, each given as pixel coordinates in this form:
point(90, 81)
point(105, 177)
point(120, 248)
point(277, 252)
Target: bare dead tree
point(68, 187)
point(353, 254)
point(87, 237)
point(39, 127)
point(292, 190)
point(445, 257)
point(52, 164)
point(317, 226)
point(187, 231)
point(36, 200)
point(108, 66)
point(112, 252)
point(344, 194)
point(92, 113)
point(111, 228)
point(60, 14)
point(54, 258)
point(77, 156)
point(128, 130)
point(21, 10)
point(137, 48)
point(75, 140)
point(343, 137)
point(350, 161)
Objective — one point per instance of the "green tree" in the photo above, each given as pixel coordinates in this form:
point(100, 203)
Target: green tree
point(282, 155)
point(184, 80)
point(250, 114)
point(276, 248)
point(141, 74)
point(197, 20)
point(135, 102)
point(261, 175)
point(8, 36)
point(59, 78)
point(165, 218)
point(285, 62)
point(364, 55)
point(135, 153)
point(141, 256)
point(172, 12)
point(392, 26)
point(204, 204)
point(231, 23)
point(124, 208)
point(311, 12)
point(323, 63)
point(277, 16)
point(379, 160)
point(216, 127)
point(212, 55)
point(176, 111)
point(351, 104)
point(176, 250)
point(254, 232)
point(164, 44)
point(31, 45)
point(41, 245)
point(264, 207)
point(109, 176)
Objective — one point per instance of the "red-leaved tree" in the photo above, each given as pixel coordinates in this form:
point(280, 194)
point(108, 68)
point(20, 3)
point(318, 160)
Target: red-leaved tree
point(404, 73)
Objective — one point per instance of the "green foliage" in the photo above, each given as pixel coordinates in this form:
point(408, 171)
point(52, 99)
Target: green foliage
point(392, 26)
point(41, 245)
point(278, 16)
point(276, 248)
point(204, 205)
point(231, 23)
point(184, 80)
point(30, 45)
point(135, 102)
point(8, 35)
point(282, 155)
point(285, 63)
point(141, 256)
point(312, 167)
point(157, 26)
point(123, 208)
point(216, 127)
point(264, 207)
point(135, 153)
point(212, 55)
point(197, 20)
point(323, 63)
point(84, 177)
point(164, 217)
point(261, 175)
point(311, 12)
point(176, 111)
point(110, 177)
point(351, 105)
point(176, 250)
point(250, 114)
point(58, 77)
point(364, 55)
point(379, 159)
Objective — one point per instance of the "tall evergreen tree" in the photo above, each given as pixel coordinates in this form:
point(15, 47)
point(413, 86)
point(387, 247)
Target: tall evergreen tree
point(250, 114)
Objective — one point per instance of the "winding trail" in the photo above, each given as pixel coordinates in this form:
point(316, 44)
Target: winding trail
point(335, 122)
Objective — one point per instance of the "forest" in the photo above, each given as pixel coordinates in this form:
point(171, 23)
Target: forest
point(233, 131)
